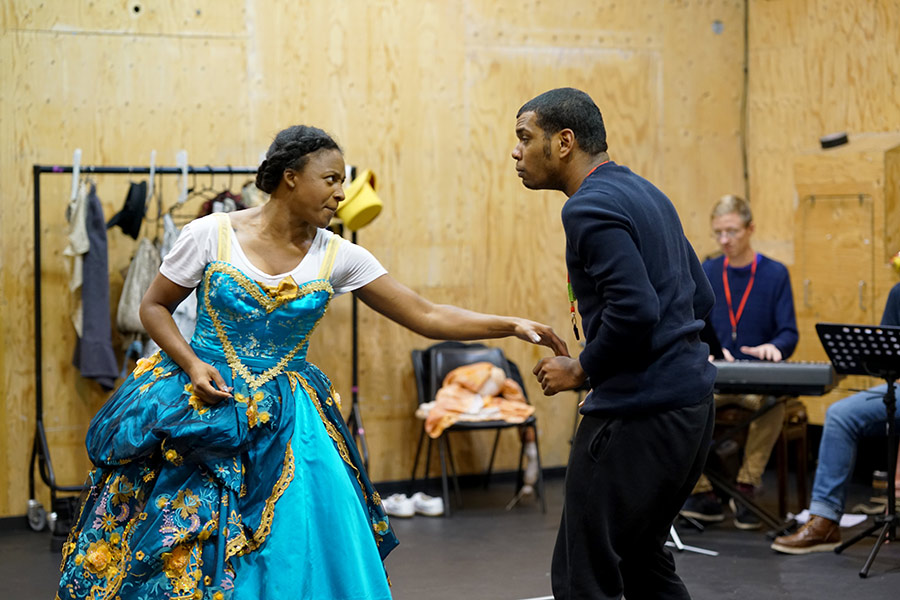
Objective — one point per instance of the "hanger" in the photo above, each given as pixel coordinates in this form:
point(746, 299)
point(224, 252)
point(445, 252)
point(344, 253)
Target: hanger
point(76, 172)
point(208, 192)
point(150, 183)
point(181, 160)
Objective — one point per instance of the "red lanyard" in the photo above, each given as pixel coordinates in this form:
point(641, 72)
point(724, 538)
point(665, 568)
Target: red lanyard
point(572, 306)
point(595, 168)
point(736, 318)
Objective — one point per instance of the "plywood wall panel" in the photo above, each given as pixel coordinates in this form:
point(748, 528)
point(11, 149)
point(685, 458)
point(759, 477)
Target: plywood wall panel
point(815, 67)
point(569, 18)
point(198, 18)
point(423, 93)
point(700, 122)
point(779, 26)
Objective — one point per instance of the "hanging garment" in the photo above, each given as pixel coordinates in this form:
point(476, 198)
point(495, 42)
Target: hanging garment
point(252, 196)
point(223, 202)
point(79, 244)
point(141, 272)
point(132, 214)
point(94, 355)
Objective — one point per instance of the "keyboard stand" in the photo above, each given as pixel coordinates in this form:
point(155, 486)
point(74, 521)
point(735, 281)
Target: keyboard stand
point(692, 522)
point(776, 526)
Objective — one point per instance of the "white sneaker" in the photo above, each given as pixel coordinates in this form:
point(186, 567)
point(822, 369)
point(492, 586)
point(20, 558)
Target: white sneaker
point(398, 505)
point(427, 505)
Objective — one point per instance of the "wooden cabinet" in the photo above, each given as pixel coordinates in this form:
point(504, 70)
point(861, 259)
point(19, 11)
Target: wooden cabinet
point(847, 228)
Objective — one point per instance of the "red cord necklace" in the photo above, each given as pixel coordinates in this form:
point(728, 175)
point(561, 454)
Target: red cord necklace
point(735, 318)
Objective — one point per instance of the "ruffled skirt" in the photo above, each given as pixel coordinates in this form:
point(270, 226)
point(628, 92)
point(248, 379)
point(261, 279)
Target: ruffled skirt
point(260, 496)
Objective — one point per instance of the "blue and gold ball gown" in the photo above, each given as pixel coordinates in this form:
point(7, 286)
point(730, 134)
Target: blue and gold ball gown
point(260, 496)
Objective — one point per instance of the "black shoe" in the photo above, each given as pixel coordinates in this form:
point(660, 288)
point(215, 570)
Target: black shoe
point(744, 518)
point(704, 507)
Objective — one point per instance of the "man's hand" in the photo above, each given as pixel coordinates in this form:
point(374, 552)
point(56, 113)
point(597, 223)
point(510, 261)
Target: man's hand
point(727, 354)
point(559, 373)
point(763, 352)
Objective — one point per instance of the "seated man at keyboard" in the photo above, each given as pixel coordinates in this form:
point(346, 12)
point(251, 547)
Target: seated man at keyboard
point(860, 415)
point(753, 319)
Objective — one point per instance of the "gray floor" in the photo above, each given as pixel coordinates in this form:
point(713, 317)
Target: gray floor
point(485, 552)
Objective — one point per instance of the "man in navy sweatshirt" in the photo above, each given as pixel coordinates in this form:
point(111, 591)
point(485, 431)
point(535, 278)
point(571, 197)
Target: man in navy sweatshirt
point(753, 319)
point(642, 296)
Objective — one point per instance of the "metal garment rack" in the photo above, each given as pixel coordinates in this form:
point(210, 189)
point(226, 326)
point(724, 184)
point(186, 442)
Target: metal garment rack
point(40, 453)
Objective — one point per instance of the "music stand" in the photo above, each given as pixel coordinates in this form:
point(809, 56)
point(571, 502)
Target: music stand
point(870, 350)
point(680, 546)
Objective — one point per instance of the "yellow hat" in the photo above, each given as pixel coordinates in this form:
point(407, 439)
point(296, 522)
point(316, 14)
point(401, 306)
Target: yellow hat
point(361, 204)
point(895, 262)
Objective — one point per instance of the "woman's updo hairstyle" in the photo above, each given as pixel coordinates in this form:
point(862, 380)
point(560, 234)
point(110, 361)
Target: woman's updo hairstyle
point(291, 150)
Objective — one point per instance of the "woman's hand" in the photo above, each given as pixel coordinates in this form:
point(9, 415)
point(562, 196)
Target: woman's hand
point(400, 304)
point(538, 333)
point(559, 373)
point(207, 383)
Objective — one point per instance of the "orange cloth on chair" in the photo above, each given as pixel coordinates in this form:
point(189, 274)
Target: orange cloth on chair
point(476, 392)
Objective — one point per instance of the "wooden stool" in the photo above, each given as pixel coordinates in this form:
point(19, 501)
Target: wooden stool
point(794, 430)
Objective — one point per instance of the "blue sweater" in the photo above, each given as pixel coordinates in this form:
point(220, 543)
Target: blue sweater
point(768, 316)
point(891, 314)
point(642, 296)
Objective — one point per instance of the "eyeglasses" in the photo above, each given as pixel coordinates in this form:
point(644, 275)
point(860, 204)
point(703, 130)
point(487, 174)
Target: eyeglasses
point(727, 233)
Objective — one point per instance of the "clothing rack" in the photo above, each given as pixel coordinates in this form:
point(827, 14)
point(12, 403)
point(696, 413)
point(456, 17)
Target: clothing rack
point(64, 507)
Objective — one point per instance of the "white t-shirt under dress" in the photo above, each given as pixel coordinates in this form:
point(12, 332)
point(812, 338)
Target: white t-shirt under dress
point(198, 245)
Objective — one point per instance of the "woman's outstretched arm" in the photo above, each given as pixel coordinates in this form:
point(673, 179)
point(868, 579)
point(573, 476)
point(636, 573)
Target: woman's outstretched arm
point(445, 322)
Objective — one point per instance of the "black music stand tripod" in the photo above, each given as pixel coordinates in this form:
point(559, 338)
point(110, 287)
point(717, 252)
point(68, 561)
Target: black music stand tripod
point(870, 350)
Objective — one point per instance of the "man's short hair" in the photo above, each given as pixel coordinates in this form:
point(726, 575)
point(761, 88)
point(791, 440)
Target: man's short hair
point(729, 204)
point(568, 108)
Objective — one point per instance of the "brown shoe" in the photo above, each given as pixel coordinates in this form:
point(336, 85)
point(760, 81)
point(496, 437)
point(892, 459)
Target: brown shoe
point(817, 535)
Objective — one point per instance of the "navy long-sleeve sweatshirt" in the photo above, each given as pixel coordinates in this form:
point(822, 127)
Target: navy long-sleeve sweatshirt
point(641, 293)
point(768, 315)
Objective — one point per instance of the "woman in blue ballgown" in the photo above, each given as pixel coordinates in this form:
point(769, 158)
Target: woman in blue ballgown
point(223, 467)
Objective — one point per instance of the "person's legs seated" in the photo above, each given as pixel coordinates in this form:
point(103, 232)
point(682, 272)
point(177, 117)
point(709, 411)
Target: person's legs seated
point(703, 504)
point(744, 518)
point(819, 534)
point(846, 421)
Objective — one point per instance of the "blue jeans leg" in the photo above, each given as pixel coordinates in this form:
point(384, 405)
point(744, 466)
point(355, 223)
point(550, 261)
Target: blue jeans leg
point(857, 416)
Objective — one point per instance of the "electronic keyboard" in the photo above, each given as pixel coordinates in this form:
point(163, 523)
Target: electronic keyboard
point(777, 379)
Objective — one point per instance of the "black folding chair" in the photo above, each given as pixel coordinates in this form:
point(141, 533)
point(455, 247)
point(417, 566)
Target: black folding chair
point(430, 367)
